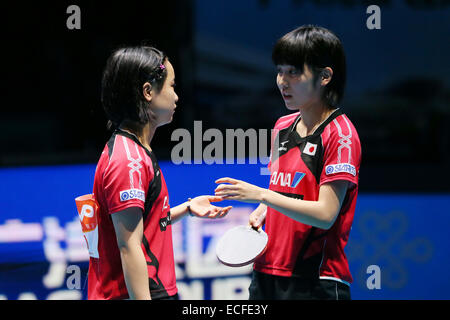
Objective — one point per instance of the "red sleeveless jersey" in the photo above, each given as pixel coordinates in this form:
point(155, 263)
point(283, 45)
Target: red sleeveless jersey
point(128, 175)
point(299, 166)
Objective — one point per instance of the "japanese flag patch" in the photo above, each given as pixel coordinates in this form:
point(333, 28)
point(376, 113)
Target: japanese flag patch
point(310, 149)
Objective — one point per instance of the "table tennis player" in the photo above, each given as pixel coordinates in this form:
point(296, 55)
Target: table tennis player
point(134, 256)
point(315, 161)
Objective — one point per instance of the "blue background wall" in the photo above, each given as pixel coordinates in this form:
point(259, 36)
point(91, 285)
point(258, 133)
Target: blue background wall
point(406, 235)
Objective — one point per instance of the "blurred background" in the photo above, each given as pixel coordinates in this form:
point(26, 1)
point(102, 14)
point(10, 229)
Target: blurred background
point(54, 129)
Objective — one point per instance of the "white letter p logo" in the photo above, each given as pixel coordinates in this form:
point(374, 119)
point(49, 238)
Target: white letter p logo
point(86, 211)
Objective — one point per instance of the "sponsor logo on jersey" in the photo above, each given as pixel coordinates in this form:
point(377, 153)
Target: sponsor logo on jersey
point(310, 149)
point(284, 179)
point(340, 167)
point(164, 222)
point(297, 178)
point(283, 148)
point(131, 194)
point(165, 204)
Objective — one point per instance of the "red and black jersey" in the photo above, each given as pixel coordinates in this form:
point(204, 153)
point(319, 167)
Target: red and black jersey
point(128, 175)
point(299, 166)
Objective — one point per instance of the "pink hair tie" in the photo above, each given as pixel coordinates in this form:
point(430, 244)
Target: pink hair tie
point(162, 67)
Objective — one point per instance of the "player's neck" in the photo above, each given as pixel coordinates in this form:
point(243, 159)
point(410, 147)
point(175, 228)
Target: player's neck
point(143, 133)
point(312, 116)
point(147, 133)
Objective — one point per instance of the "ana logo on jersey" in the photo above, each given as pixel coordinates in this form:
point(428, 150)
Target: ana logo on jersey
point(283, 179)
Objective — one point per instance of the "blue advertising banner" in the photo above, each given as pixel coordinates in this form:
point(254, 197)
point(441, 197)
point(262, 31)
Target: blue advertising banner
point(397, 247)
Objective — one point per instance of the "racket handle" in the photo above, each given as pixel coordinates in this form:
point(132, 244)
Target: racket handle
point(260, 220)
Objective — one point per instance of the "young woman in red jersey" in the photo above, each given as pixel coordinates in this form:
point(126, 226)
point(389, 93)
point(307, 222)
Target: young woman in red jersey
point(133, 255)
point(316, 155)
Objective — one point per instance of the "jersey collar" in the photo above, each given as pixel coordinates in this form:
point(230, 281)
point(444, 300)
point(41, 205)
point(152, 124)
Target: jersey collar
point(319, 129)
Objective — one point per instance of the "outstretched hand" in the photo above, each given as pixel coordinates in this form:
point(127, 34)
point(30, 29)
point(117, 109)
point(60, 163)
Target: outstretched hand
point(201, 207)
point(238, 190)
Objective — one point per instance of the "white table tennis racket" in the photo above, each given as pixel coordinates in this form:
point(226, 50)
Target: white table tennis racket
point(241, 245)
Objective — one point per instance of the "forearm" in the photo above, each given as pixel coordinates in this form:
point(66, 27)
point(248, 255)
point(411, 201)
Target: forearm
point(260, 209)
point(178, 212)
point(320, 213)
point(135, 272)
point(313, 213)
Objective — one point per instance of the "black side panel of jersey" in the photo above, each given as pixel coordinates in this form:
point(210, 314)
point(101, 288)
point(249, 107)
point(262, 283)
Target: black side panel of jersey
point(155, 286)
point(309, 267)
point(291, 195)
point(154, 189)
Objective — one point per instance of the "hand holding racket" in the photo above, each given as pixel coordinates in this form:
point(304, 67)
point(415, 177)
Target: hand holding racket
point(257, 218)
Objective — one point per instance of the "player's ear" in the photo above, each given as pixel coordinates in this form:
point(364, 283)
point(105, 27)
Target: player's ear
point(325, 76)
point(147, 91)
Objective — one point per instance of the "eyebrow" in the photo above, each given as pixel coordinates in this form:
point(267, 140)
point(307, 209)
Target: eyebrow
point(286, 66)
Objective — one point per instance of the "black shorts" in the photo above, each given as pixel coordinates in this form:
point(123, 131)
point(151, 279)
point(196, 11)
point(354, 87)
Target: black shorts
point(270, 287)
point(174, 297)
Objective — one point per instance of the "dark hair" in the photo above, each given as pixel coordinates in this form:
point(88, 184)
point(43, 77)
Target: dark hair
point(126, 71)
point(318, 48)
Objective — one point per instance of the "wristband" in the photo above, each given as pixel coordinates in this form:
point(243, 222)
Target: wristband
point(189, 208)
